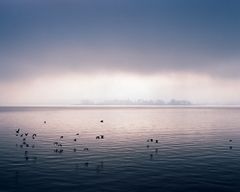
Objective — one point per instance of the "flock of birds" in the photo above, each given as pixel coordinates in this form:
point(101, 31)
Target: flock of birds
point(58, 145)
point(28, 138)
point(26, 142)
point(148, 146)
point(29, 143)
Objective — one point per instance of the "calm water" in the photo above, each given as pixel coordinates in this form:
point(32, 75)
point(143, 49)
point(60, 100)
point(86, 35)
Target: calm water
point(193, 153)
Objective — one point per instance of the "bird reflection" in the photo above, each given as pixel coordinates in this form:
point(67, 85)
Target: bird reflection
point(151, 156)
point(16, 177)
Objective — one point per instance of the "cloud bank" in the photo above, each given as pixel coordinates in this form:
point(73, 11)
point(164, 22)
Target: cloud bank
point(145, 37)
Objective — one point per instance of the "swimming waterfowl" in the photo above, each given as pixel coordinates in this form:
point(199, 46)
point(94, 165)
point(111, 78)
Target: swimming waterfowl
point(230, 140)
point(156, 141)
point(85, 149)
point(75, 139)
point(101, 121)
point(17, 131)
point(98, 137)
point(21, 135)
point(61, 137)
point(151, 140)
point(45, 122)
point(74, 149)
point(77, 134)
point(102, 136)
point(26, 134)
point(34, 135)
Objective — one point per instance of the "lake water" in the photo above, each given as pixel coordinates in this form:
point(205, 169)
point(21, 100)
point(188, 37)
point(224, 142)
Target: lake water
point(198, 149)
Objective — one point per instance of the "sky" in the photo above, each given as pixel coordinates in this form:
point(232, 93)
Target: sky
point(64, 51)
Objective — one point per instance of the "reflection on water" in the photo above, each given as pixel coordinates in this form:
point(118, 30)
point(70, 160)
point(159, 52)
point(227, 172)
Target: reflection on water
point(119, 149)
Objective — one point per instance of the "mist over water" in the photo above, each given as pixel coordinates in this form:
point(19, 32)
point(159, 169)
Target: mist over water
point(197, 149)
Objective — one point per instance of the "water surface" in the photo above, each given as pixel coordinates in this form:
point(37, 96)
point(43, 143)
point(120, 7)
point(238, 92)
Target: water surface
point(193, 152)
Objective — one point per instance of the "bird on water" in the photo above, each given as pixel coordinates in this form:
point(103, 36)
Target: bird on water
point(34, 135)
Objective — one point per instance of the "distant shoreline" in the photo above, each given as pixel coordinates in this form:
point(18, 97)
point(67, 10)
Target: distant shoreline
point(123, 106)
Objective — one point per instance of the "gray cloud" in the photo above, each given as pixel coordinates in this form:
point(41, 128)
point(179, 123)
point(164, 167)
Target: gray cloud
point(141, 37)
point(55, 61)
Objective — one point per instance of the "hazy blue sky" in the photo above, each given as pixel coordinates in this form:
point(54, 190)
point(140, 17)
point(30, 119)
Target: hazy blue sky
point(63, 51)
